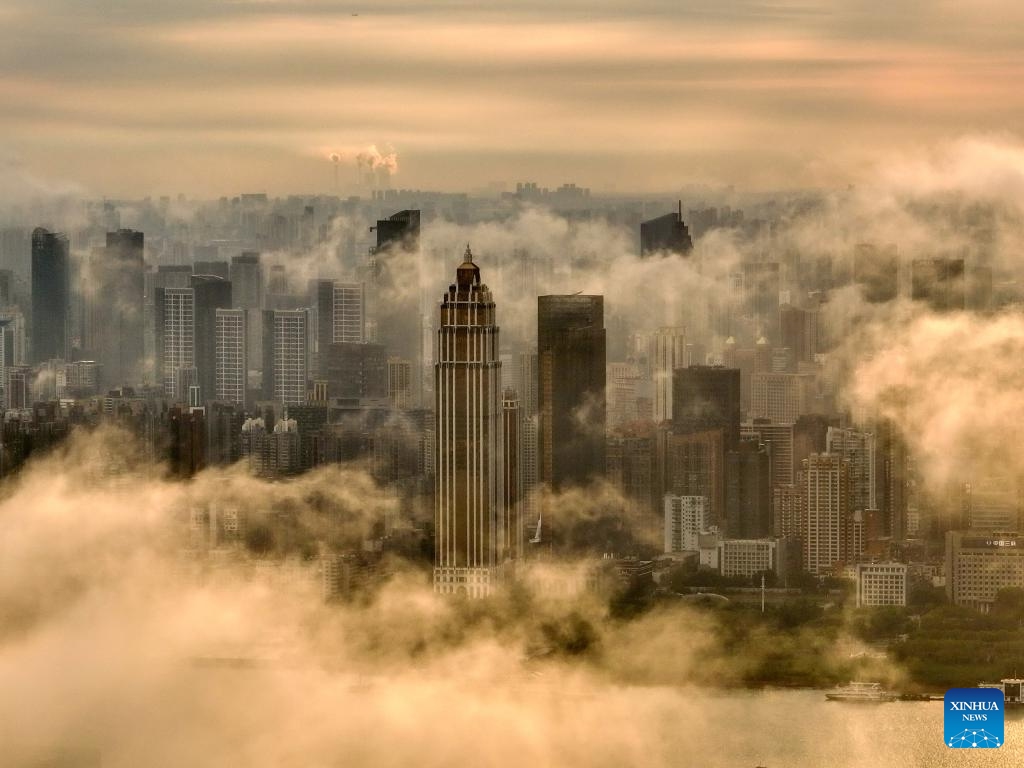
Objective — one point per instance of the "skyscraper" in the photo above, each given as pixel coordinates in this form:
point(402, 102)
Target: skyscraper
point(939, 282)
point(512, 539)
point(668, 352)
point(704, 396)
point(211, 293)
point(394, 271)
point(246, 274)
point(826, 506)
point(748, 491)
point(571, 388)
point(859, 449)
point(230, 370)
point(50, 296)
point(175, 339)
point(114, 315)
point(285, 355)
point(468, 455)
point(321, 299)
point(665, 234)
point(399, 382)
point(876, 271)
point(400, 229)
point(348, 313)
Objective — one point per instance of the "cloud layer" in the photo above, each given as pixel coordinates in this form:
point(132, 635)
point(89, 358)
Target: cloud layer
point(757, 94)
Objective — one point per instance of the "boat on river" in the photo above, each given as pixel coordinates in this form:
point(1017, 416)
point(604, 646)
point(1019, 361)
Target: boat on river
point(1011, 688)
point(868, 693)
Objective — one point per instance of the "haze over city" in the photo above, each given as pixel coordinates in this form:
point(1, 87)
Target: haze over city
point(429, 383)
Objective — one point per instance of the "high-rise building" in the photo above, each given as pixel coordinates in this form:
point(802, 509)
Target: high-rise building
point(665, 234)
point(668, 348)
point(356, 371)
point(761, 282)
point(230, 372)
point(348, 313)
point(876, 272)
point(399, 229)
point(781, 398)
point(859, 449)
point(394, 270)
point(798, 330)
point(748, 492)
point(686, 517)
point(778, 440)
point(692, 463)
point(210, 293)
point(51, 296)
point(321, 299)
point(285, 355)
point(175, 340)
point(707, 396)
point(938, 282)
point(631, 468)
point(246, 274)
point(115, 324)
point(529, 469)
point(512, 539)
point(571, 391)
point(826, 488)
point(399, 383)
point(526, 383)
point(468, 455)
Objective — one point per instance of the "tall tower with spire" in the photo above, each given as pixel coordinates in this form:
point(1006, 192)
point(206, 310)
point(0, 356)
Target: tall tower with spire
point(468, 455)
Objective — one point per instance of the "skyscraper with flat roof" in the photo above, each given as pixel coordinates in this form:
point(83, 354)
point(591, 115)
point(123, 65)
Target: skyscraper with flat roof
point(938, 282)
point(707, 396)
point(211, 293)
point(468, 432)
point(668, 352)
point(829, 519)
point(571, 388)
point(285, 355)
point(175, 340)
point(348, 313)
point(114, 316)
point(230, 370)
point(50, 295)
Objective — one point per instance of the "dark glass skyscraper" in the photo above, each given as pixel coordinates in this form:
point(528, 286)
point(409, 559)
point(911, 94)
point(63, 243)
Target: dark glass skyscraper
point(939, 282)
point(571, 388)
point(707, 396)
point(50, 295)
point(665, 234)
point(211, 293)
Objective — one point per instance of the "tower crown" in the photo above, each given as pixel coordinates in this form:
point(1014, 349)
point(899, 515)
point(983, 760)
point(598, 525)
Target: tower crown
point(468, 273)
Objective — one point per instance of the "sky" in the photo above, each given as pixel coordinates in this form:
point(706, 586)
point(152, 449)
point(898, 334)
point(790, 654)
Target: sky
point(216, 97)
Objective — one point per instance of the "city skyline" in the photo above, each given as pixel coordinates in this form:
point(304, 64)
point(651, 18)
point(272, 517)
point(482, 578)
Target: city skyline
point(428, 383)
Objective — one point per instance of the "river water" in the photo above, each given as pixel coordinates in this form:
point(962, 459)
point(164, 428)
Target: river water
point(778, 729)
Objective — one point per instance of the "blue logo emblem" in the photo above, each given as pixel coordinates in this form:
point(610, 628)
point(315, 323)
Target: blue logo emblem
point(974, 718)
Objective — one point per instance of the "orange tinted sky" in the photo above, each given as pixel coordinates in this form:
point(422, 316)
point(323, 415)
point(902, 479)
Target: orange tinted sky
point(148, 97)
